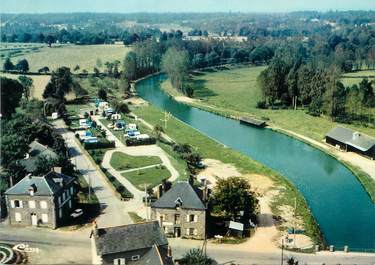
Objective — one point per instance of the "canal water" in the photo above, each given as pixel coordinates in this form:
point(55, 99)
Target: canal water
point(340, 204)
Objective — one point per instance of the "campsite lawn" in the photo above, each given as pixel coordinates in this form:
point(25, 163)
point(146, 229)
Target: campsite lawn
point(121, 161)
point(150, 176)
point(71, 55)
point(235, 92)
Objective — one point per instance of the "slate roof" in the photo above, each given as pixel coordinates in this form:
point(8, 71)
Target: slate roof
point(36, 150)
point(181, 192)
point(129, 237)
point(46, 185)
point(362, 142)
point(155, 256)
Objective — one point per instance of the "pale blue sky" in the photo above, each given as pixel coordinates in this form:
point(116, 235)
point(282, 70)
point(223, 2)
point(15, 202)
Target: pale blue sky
point(124, 6)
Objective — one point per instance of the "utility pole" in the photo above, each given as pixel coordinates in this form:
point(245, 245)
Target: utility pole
point(89, 188)
point(282, 251)
point(295, 222)
point(166, 119)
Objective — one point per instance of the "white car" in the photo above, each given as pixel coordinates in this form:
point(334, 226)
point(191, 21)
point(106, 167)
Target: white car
point(76, 213)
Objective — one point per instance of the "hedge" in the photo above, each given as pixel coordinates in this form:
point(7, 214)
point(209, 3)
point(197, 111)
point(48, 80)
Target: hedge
point(100, 144)
point(121, 189)
point(134, 141)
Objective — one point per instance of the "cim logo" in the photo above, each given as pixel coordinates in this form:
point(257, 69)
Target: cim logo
point(25, 248)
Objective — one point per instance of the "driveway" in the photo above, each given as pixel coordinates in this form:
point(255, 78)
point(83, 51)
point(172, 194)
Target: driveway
point(113, 210)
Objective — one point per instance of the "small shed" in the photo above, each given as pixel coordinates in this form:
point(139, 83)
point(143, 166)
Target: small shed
point(349, 140)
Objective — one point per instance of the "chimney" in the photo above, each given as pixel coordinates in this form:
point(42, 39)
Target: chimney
point(95, 229)
point(205, 193)
point(169, 252)
point(159, 192)
point(356, 135)
point(57, 170)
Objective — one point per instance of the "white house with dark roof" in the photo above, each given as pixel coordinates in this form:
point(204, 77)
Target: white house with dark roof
point(181, 212)
point(142, 243)
point(349, 140)
point(41, 200)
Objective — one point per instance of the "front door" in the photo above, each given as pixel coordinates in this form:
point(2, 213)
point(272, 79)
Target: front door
point(177, 232)
point(34, 219)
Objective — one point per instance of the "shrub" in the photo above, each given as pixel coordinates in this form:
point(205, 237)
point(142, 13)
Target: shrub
point(135, 142)
point(262, 105)
point(100, 144)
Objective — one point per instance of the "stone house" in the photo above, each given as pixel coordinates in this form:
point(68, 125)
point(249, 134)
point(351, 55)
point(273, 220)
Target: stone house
point(181, 212)
point(142, 243)
point(41, 200)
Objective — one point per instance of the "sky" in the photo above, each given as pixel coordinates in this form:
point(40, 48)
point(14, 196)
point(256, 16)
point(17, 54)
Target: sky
point(130, 6)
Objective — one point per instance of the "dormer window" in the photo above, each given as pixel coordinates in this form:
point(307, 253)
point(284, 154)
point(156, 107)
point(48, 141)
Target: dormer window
point(32, 190)
point(178, 202)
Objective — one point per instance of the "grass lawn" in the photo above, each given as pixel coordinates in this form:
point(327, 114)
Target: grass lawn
point(121, 161)
point(235, 93)
point(209, 148)
point(39, 83)
point(150, 176)
point(70, 55)
point(350, 79)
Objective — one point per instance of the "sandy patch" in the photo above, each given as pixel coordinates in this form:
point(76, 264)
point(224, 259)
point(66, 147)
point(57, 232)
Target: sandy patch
point(184, 99)
point(136, 101)
point(217, 169)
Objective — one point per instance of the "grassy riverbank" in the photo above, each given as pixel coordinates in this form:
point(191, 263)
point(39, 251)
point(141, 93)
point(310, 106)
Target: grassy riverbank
point(209, 148)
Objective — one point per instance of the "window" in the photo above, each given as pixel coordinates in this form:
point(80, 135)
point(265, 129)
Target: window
point(63, 196)
point(191, 231)
point(32, 204)
point(70, 204)
point(60, 213)
point(120, 261)
point(45, 218)
point(177, 219)
point(191, 218)
point(136, 257)
point(59, 200)
point(18, 217)
point(71, 191)
point(18, 204)
point(43, 204)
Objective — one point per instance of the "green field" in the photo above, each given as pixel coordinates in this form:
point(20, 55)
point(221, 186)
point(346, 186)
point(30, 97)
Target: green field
point(350, 79)
point(121, 161)
point(150, 176)
point(235, 93)
point(209, 148)
point(70, 55)
point(39, 83)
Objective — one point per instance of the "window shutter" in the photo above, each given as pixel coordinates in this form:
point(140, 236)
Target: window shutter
point(122, 261)
point(12, 204)
point(195, 218)
point(21, 204)
point(187, 218)
point(187, 231)
point(195, 232)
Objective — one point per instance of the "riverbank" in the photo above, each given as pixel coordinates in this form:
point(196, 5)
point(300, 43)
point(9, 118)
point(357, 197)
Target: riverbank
point(365, 174)
point(209, 148)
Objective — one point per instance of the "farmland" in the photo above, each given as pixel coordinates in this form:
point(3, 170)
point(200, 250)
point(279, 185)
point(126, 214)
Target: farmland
point(69, 55)
point(235, 92)
point(39, 83)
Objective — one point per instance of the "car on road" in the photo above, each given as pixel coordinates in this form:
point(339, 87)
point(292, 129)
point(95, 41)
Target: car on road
point(76, 213)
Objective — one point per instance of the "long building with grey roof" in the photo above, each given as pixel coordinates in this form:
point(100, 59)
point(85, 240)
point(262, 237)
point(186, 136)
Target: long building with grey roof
point(349, 140)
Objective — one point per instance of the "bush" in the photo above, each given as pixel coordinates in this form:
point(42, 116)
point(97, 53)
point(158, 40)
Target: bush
point(121, 189)
point(135, 142)
point(262, 105)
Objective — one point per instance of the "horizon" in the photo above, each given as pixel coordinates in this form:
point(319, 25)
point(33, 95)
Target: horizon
point(189, 6)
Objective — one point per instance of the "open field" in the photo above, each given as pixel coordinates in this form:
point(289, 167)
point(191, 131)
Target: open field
point(121, 161)
point(39, 83)
point(209, 148)
point(70, 55)
point(350, 79)
point(235, 93)
point(150, 176)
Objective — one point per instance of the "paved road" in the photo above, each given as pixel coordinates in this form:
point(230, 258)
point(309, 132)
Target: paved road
point(114, 211)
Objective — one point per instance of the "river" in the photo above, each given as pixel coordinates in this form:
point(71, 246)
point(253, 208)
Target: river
point(338, 201)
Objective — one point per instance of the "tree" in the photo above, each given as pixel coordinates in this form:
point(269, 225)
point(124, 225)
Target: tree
point(8, 65)
point(176, 64)
point(196, 256)
point(334, 100)
point(60, 84)
point(102, 94)
point(232, 195)
point(120, 107)
point(76, 68)
point(43, 165)
point(27, 84)
point(158, 130)
point(44, 69)
point(130, 65)
point(11, 94)
point(22, 66)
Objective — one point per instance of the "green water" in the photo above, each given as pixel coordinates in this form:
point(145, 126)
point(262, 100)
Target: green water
point(341, 206)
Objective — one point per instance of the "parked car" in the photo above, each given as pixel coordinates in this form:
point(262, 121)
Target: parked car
point(76, 213)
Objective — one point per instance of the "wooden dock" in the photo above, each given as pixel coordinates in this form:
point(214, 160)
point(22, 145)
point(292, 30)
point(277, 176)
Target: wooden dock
point(252, 122)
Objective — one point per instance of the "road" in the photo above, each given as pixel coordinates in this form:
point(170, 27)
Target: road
point(113, 210)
